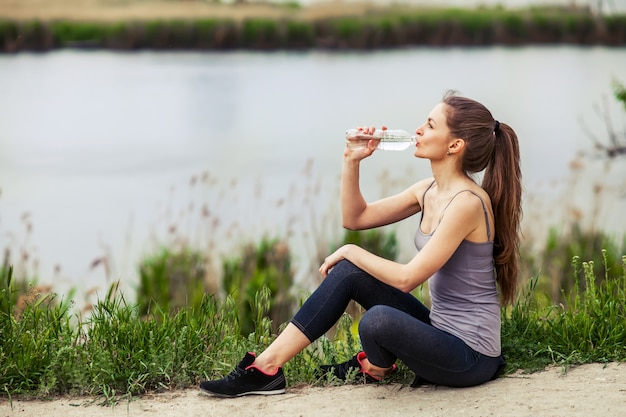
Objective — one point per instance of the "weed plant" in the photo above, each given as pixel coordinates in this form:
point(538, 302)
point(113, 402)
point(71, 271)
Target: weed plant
point(589, 326)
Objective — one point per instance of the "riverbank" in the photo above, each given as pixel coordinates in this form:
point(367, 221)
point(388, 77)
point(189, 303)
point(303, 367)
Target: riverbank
point(587, 390)
point(41, 25)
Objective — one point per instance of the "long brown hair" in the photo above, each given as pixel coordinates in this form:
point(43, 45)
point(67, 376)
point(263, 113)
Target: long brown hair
point(492, 146)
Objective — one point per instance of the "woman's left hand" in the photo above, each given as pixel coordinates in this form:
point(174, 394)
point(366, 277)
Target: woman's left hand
point(332, 259)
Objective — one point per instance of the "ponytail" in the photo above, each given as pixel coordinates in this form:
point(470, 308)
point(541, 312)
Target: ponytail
point(493, 147)
point(503, 182)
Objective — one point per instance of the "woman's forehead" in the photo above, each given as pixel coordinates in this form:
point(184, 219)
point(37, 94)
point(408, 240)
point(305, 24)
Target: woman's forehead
point(438, 113)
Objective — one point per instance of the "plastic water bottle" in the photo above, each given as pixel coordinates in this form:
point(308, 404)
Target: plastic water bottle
point(389, 139)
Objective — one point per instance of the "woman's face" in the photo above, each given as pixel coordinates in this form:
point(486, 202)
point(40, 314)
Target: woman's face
point(433, 137)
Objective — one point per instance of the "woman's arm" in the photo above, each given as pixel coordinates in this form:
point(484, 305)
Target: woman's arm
point(357, 214)
point(461, 218)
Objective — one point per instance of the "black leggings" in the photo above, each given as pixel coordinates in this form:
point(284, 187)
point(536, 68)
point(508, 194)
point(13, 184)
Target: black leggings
point(395, 326)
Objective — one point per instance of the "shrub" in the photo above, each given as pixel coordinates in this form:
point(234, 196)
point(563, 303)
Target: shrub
point(376, 241)
point(299, 34)
point(261, 33)
point(266, 265)
point(171, 280)
point(557, 275)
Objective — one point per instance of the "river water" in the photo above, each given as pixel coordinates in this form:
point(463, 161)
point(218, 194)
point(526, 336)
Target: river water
point(603, 6)
point(103, 154)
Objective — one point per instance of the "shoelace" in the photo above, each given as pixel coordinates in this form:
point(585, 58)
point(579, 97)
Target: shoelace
point(236, 373)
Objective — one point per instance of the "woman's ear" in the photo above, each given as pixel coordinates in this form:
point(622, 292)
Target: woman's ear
point(456, 146)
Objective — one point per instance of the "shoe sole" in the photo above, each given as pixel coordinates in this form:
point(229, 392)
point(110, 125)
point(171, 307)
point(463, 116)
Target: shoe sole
point(217, 394)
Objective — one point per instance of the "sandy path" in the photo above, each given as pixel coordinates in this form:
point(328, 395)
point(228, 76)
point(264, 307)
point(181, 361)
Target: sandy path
point(589, 390)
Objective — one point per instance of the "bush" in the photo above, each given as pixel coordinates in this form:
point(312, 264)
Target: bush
point(556, 273)
point(376, 241)
point(171, 280)
point(261, 34)
point(266, 265)
point(299, 34)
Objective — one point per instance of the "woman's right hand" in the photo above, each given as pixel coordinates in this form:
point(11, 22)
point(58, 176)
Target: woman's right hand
point(362, 144)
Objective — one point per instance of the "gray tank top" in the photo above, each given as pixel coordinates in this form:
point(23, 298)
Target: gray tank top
point(463, 292)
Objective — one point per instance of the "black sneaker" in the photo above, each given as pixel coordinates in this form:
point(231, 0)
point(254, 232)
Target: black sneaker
point(352, 367)
point(246, 379)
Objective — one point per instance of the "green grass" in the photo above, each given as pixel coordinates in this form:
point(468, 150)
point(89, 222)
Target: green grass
point(589, 326)
point(116, 352)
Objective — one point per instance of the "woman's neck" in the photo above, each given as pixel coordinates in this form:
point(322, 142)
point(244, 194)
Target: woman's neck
point(447, 175)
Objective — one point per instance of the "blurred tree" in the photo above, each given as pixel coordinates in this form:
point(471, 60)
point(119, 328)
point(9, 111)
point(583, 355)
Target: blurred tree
point(620, 92)
point(615, 144)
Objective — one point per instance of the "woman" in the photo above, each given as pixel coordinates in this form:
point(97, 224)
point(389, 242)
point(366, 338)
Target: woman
point(467, 243)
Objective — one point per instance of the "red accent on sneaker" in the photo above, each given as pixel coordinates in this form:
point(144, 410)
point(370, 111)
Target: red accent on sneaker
point(361, 356)
point(262, 371)
point(259, 369)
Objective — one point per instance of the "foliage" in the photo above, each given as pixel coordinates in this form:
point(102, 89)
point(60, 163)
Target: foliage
point(611, 144)
point(375, 27)
point(619, 90)
point(117, 352)
point(35, 336)
point(126, 354)
point(299, 34)
point(590, 326)
point(522, 331)
point(267, 264)
point(67, 33)
point(375, 241)
point(171, 279)
point(9, 296)
point(556, 273)
point(261, 34)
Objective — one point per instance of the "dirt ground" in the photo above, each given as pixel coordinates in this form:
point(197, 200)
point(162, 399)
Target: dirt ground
point(588, 390)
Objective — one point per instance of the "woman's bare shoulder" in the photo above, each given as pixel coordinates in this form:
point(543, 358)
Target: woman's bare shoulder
point(419, 188)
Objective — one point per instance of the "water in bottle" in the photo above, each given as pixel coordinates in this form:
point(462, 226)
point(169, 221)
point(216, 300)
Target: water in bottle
point(388, 140)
